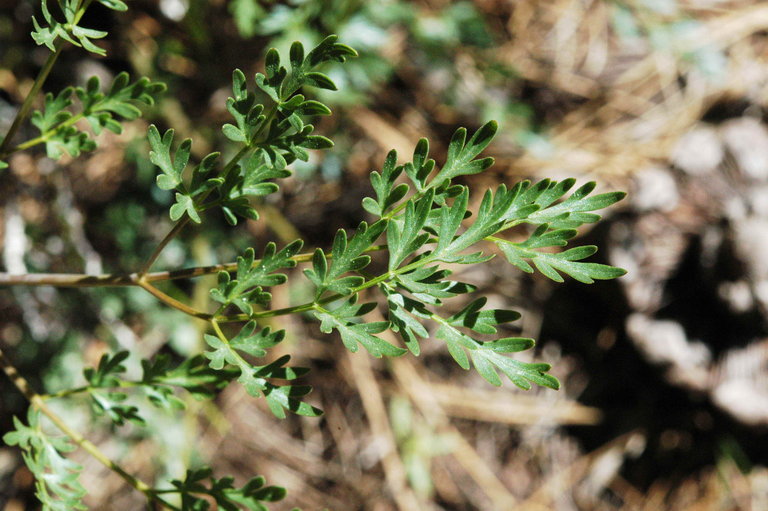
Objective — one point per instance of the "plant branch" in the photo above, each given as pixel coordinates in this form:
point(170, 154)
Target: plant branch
point(70, 280)
point(38, 402)
point(132, 279)
point(184, 221)
point(172, 302)
point(23, 112)
point(313, 305)
point(47, 135)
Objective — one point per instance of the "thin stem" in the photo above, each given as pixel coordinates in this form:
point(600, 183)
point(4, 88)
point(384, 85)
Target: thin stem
point(16, 378)
point(47, 135)
point(23, 112)
point(172, 302)
point(38, 402)
point(132, 279)
point(159, 248)
point(218, 331)
point(296, 309)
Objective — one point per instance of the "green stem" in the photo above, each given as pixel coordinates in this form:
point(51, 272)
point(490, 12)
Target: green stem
point(159, 248)
point(23, 112)
point(121, 384)
point(47, 135)
point(172, 302)
point(38, 402)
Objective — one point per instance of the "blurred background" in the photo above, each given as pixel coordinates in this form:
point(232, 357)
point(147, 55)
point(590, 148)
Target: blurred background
point(664, 402)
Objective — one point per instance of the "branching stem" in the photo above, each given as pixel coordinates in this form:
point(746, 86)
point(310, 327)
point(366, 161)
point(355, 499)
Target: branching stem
point(38, 402)
point(313, 305)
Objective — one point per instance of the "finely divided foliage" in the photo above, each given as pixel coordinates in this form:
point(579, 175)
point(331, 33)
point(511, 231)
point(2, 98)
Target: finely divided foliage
point(419, 221)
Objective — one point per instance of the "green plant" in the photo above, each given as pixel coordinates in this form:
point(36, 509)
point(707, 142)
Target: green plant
point(419, 224)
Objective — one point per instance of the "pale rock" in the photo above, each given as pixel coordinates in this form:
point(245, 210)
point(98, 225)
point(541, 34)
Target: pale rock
point(738, 295)
point(750, 240)
point(743, 400)
point(655, 190)
point(665, 342)
point(758, 200)
point(747, 139)
point(699, 151)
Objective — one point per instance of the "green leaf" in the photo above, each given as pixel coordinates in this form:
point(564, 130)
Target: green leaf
point(56, 478)
point(108, 402)
point(428, 284)
point(549, 264)
point(54, 110)
point(244, 109)
point(284, 85)
point(226, 353)
point(461, 154)
point(316, 142)
point(254, 378)
point(482, 321)
point(343, 320)
point(194, 375)
point(171, 166)
point(46, 35)
point(319, 80)
point(251, 180)
point(421, 167)
point(286, 397)
point(346, 256)
point(536, 204)
point(184, 204)
point(200, 485)
point(387, 194)
point(488, 221)
point(403, 312)
point(488, 358)
point(405, 236)
point(122, 99)
point(69, 31)
point(252, 276)
point(115, 5)
point(68, 139)
point(450, 221)
point(233, 133)
point(106, 374)
point(200, 182)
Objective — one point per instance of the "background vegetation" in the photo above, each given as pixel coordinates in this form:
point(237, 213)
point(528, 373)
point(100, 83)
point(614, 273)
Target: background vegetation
point(664, 393)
